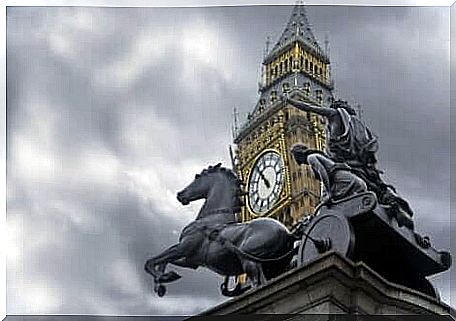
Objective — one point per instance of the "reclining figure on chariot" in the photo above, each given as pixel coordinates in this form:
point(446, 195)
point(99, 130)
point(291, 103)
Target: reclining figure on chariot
point(338, 181)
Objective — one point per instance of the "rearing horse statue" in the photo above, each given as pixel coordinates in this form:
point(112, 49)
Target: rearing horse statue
point(261, 248)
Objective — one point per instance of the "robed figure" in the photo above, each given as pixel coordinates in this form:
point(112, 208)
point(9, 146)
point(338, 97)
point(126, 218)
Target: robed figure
point(350, 141)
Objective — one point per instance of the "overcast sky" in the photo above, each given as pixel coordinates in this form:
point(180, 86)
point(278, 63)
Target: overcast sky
point(111, 111)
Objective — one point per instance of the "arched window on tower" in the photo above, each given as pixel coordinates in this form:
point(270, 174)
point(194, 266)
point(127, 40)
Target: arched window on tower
point(307, 88)
point(285, 87)
point(311, 66)
point(262, 104)
point(319, 95)
point(329, 100)
point(307, 64)
point(273, 96)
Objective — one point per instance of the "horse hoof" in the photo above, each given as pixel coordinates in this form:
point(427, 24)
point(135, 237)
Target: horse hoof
point(161, 290)
point(169, 277)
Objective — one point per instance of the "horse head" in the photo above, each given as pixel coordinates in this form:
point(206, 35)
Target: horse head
point(215, 182)
point(199, 187)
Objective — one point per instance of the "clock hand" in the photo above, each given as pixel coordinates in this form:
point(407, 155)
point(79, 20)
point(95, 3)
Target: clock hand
point(265, 180)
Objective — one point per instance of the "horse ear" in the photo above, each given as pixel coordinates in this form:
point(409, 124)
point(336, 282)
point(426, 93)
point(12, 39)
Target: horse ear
point(218, 165)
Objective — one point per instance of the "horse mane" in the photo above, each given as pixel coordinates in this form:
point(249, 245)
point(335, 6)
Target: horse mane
point(231, 175)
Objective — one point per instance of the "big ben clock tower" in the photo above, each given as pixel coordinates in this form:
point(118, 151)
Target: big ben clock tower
point(277, 187)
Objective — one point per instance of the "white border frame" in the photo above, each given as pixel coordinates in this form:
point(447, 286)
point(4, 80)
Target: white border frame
point(132, 3)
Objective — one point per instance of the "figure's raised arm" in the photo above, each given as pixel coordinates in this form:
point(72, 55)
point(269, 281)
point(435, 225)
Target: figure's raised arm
point(323, 111)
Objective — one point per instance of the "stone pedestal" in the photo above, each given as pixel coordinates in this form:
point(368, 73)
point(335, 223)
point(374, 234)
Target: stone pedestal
point(332, 284)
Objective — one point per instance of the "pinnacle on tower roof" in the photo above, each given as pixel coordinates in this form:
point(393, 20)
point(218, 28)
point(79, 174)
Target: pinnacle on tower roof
point(298, 28)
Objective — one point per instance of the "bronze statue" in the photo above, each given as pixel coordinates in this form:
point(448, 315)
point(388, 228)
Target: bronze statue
point(262, 248)
point(359, 216)
point(349, 141)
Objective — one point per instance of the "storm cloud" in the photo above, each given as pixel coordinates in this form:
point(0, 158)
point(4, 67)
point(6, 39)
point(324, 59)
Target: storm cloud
point(111, 111)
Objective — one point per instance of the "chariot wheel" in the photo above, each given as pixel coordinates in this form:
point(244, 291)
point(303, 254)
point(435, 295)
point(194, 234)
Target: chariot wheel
point(329, 232)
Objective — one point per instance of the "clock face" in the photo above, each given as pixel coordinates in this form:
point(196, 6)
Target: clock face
point(266, 182)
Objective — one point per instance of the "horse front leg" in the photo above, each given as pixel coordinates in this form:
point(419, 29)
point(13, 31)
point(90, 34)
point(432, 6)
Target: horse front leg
point(170, 255)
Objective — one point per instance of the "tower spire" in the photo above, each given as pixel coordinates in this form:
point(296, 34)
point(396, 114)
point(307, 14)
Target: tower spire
point(298, 28)
point(267, 45)
point(296, 62)
point(234, 126)
point(327, 53)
